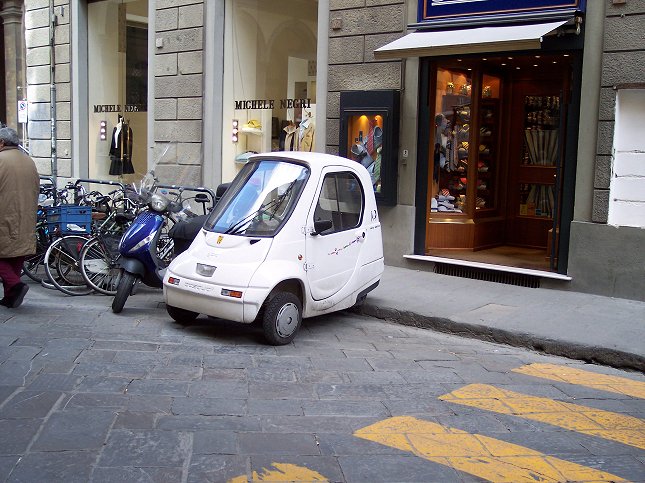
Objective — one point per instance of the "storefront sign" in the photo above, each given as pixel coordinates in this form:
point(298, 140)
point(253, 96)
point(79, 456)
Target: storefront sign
point(119, 108)
point(271, 104)
point(434, 9)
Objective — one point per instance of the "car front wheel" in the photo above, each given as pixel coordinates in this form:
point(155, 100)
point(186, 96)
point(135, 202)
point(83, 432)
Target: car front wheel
point(282, 318)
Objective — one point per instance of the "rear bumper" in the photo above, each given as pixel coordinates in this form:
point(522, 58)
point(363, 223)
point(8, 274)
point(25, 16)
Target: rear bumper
point(207, 298)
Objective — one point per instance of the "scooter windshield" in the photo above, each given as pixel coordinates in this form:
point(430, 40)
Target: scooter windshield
point(259, 200)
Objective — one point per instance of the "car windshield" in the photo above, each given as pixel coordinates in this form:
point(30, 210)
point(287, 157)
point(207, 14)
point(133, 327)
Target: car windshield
point(259, 200)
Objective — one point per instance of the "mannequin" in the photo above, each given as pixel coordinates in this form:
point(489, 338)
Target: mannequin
point(306, 133)
point(121, 148)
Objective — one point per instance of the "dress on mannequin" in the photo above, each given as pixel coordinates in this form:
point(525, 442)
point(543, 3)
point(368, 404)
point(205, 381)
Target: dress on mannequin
point(121, 149)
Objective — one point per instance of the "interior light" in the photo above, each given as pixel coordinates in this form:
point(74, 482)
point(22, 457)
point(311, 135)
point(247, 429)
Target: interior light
point(103, 130)
point(510, 58)
point(235, 131)
point(517, 68)
point(555, 61)
point(537, 56)
point(503, 63)
point(535, 65)
point(565, 55)
point(484, 58)
point(458, 60)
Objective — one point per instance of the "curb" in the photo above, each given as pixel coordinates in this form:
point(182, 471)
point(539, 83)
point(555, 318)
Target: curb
point(591, 354)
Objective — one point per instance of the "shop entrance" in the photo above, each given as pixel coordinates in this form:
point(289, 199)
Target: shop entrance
point(496, 151)
point(535, 153)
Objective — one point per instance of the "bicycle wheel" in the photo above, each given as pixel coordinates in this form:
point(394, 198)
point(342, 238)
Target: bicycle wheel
point(100, 267)
point(62, 265)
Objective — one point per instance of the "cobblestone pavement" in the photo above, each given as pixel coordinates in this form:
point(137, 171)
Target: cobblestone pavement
point(86, 395)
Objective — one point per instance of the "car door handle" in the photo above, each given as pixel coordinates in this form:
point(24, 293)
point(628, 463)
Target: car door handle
point(360, 235)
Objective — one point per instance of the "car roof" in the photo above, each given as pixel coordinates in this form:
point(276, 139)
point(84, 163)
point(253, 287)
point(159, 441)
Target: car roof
point(317, 160)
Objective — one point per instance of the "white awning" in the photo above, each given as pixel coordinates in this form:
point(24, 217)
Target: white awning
point(468, 41)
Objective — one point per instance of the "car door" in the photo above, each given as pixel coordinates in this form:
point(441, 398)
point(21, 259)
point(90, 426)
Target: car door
point(333, 253)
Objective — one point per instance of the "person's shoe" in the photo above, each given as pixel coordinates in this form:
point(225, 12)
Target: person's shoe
point(17, 294)
point(4, 302)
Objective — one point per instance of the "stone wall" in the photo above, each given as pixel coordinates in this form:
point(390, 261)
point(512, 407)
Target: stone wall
point(356, 28)
point(38, 55)
point(178, 87)
point(623, 63)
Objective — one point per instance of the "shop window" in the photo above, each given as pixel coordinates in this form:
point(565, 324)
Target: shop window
point(369, 136)
point(451, 153)
point(269, 91)
point(136, 72)
point(117, 74)
point(341, 201)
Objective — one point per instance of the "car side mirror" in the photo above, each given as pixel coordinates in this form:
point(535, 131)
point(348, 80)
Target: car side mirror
point(321, 225)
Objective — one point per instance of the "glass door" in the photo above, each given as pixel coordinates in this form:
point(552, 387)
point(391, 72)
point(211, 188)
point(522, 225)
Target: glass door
point(535, 156)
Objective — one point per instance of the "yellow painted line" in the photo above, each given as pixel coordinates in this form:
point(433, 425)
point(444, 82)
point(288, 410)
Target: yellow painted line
point(283, 472)
point(478, 455)
point(596, 422)
point(571, 375)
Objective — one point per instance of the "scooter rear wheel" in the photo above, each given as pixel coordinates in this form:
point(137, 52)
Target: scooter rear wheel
point(123, 291)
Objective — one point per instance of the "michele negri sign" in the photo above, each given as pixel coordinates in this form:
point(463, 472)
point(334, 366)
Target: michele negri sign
point(120, 108)
point(272, 103)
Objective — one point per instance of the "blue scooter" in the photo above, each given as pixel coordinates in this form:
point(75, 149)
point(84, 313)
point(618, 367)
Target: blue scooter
point(147, 247)
point(145, 250)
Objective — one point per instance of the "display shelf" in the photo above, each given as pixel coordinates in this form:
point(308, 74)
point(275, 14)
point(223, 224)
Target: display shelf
point(487, 154)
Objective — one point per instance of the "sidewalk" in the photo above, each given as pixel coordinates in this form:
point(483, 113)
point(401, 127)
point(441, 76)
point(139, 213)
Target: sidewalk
point(581, 326)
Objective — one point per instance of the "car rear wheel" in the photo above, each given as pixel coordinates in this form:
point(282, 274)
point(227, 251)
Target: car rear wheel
point(181, 315)
point(282, 318)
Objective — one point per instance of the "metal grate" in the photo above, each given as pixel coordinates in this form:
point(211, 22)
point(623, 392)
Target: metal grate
point(508, 278)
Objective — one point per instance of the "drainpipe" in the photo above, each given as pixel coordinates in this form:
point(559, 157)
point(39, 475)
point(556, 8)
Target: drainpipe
point(53, 21)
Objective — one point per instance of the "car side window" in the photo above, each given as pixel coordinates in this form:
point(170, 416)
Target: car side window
point(341, 201)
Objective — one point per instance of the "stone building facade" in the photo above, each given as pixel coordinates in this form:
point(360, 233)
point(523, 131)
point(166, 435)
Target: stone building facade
point(600, 257)
point(187, 67)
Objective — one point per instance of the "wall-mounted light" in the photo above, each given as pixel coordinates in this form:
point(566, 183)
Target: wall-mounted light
point(235, 131)
point(103, 130)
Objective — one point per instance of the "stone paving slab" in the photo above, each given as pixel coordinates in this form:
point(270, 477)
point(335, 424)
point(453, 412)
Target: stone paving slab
point(99, 397)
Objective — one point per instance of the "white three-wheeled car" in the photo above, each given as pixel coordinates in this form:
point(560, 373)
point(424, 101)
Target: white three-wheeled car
point(295, 235)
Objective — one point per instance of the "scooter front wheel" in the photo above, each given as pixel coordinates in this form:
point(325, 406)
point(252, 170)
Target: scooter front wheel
point(123, 291)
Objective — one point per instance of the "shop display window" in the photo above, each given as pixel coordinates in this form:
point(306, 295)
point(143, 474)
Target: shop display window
point(269, 81)
point(369, 135)
point(451, 142)
point(366, 131)
point(464, 143)
point(117, 82)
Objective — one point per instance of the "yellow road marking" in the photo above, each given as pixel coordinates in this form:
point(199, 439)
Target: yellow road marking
point(478, 455)
point(595, 422)
point(283, 472)
point(571, 375)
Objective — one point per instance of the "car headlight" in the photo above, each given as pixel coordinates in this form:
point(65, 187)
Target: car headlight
point(158, 202)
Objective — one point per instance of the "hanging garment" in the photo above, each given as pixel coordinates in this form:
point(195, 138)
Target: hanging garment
point(306, 136)
point(290, 138)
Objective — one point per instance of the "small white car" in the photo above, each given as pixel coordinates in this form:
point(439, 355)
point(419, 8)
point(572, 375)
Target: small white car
point(296, 235)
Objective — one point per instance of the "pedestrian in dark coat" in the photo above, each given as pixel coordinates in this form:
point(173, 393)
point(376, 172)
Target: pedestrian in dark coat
point(19, 189)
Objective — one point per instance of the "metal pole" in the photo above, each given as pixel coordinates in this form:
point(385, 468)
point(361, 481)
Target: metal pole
point(52, 27)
